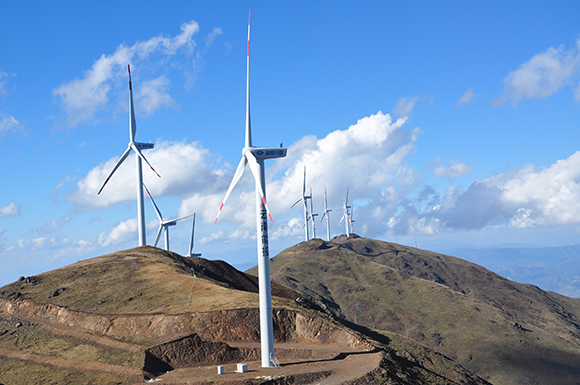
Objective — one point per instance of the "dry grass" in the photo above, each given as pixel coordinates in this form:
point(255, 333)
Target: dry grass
point(503, 331)
point(137, 281)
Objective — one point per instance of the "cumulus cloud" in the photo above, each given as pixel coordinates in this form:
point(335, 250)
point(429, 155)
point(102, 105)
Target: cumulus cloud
point(369, 158)
point(521, 197)
point(9, 210)
point(82, 98)
point(543, 75)
point(123, 232)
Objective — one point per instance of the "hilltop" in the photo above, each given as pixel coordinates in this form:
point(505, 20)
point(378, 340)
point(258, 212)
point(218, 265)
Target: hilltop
point(143, 313)
point(502, 331)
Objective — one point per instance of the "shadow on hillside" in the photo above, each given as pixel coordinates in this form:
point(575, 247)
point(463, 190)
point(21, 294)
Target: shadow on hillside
point(340, 356)
point(383, 339)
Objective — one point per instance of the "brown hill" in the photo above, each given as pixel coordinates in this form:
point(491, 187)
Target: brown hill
point(503, 331)
point(145, 312)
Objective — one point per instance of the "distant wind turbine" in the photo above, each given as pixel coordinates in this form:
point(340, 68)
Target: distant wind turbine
point(191, 253)
point(351, 220)
point(326, 214)
point(137, 147)
point(163, 224)
point(345, 215)
point(255, 156)
point(303, 199)
point(312, 215)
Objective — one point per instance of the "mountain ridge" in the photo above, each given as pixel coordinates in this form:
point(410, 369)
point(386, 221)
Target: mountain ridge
point(448, 304)
point(146, 313)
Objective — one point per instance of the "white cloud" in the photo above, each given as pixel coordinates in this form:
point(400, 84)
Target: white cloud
point(467, 97)
point(154, 95)
point(9, 210)
point(185, 170)
point(457, 169)
point(405, 106)
point(3, 91)
point(81, 98)
point(520, 197)
point(123, 232)
point(543, 75)
point(53, 224)
point(55, 247)
point(8, 123)
point(369, 158)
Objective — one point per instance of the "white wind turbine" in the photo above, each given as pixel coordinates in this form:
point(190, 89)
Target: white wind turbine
point(255, 156)
point(137, 147)
point(191, 253)
point(351, 219)
point(163, 224)
point(345, 215)
point(326, 214)
point(312, 215)
point(303, 199)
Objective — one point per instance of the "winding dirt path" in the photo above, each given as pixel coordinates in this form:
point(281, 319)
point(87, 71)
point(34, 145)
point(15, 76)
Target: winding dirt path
point(344, 367)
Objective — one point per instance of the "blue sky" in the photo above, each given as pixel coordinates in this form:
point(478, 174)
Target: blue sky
point(449, 122)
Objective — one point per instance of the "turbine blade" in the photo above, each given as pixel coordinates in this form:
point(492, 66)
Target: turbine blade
point(304, 183)
point(179, 219)
point(191, 241)
point(161, 228)
point(132, 124)
point(248, 121)
point(298, 201)
point(237, 176)
point(121, 160)
point(154, 205)
point(143, 158)
point(254, 168)
point(343, 215)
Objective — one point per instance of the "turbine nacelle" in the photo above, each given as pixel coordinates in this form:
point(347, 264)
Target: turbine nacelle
point(267, 152)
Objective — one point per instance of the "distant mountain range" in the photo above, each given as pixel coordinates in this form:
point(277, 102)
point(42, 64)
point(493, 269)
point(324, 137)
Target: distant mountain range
point(551, 268)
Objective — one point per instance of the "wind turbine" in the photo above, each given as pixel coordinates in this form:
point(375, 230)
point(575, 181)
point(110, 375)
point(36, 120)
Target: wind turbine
point(137, 147)
point(326, 214)
point(345, 215)
point(312, 215)
point(303, 199)
point(163, 224)
point(255, 156)
point(351, 220)
point(191, 253)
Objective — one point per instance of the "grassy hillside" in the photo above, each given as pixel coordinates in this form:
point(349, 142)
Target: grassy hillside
point(505, 332)
point(113, 318)
point(141, 280)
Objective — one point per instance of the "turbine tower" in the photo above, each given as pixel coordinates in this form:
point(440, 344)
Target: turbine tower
point(303, 199)
point(137, 147)
point(351, 220)
point(255, 156)
point(312, 215)
point(326, 214)
point(345, 215)
point(191, 253)
point(163, 225)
